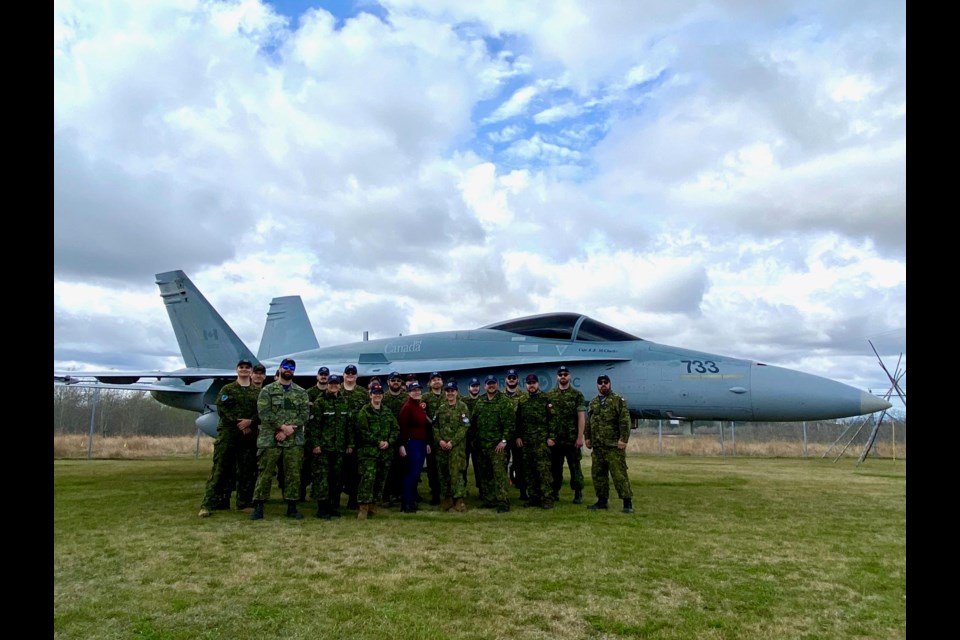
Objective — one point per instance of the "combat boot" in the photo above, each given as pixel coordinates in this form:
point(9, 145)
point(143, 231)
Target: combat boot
point(257, 510)
point(459, 506)
point(292, 510)
point(628, 505)
point(601, 503)
point(363, 512)
point(204, 512)
point(322, 512)
point(578, 497)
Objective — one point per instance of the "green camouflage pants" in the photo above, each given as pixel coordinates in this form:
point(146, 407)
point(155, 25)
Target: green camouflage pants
point(327, 478)
point(536, 466)
point(571, 455)
point(610, 460)
point(452, 466)
point(373, 466)
point(493, 475)
point(267, 459)
point(223, 474)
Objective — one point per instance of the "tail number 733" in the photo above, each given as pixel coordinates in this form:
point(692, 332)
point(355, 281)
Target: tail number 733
point(701, 366)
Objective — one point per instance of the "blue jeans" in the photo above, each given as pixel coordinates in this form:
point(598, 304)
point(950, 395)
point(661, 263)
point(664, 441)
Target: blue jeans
point(416, 452)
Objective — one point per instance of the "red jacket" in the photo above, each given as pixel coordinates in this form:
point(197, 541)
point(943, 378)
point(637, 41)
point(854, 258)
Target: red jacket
point(413, 420)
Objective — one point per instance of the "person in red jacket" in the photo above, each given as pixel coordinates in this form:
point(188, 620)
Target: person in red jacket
point(414, 436)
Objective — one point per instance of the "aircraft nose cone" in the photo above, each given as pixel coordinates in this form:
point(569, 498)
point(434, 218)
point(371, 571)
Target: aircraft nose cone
point(871, 403)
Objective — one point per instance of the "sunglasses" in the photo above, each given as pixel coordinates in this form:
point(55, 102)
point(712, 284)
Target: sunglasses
point(564, 375)
point(288, 367)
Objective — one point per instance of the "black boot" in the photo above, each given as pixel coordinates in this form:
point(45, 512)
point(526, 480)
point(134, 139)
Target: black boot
point(628, 505)
point(334, 508)
point(578, 497)
point(292, 510)
point(257, 510)
point(601, 503)
point(322, 511)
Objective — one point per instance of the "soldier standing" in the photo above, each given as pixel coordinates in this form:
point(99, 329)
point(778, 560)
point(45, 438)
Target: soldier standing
point(471, 450)
point(375, 434)
point(433, 396)
point(247, 454)
point(534, 439)
point(607, 433)
point(569, 416)
point(517, 475)
point(357, 397)
point(393, 399)
point(315, 392)
point(327, 438)
point(494, 420)
point(237, 409)
point(449, 441)
point(284, 409)
point(414, 445)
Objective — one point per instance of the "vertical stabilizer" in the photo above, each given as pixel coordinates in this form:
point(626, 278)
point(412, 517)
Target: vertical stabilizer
point(205, 339)
point(287, 330)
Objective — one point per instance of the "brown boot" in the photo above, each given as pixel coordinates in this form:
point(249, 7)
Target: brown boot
point(458, 506)
point(447, 504)
point(363, 512)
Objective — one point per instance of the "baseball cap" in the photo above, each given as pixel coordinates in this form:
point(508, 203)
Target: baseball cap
point(450, 386)
point(533, 378)
point(490, 378)
point(350, 369)
point(259, 368)
point(323, 371)
point(435, 374)
point(244, 362)
point(511, 373)
point(413, 385)
point(334, 379)
point(603, 378)
point(288, 361)
point(474, 382)
point(563, 369)
point(394, 375)
point(374, 380)
point(376, 388)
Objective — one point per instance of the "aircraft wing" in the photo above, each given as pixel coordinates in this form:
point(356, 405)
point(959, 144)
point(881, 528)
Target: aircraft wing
point(131, 380)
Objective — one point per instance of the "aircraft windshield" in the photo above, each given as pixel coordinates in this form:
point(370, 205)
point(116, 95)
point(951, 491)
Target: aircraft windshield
point(563, 326)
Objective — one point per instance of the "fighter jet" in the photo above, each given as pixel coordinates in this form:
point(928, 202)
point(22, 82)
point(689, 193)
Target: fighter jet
point(658, 381)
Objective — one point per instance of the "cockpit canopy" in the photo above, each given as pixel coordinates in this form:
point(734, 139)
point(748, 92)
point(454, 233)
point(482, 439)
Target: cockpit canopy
point(563, 326)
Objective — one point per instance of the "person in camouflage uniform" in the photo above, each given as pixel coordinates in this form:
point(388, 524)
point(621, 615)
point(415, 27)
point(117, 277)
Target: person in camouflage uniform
point(449, 441)
point(535, 438)
point(569, 414)
point(327, 434)
point(494, 420)
point(357, 397)
point(470, 453)
point(375, 434)
point(433, 396)
point(284, 409)
point(247, 455)
point(607, 433)
point(237, 409)
point(393, 399)
point(314, 392)
point(515, 470)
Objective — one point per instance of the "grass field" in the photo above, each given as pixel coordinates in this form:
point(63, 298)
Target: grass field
point(718, 548)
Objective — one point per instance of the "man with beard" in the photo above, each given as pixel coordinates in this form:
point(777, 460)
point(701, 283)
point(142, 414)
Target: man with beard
point(607, 433)
point(518, 476)
point(535, 439)
point(284, 409)
point(356, 396)
point(470, 453)
point(569, 411)
point(494, 419)
point(433, 396)
point(393, 399)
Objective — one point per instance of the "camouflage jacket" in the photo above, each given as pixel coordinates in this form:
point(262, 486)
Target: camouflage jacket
point(373, 426)
point(535, 418)
point(332, 423)
point(278, 405)
point(452, 423)
point(394, 402)
point(357, 398)
point(608, 421)
point(567, 403)
point(433, 402)
point(494, 420)
point(515, 398)
point(235, 402)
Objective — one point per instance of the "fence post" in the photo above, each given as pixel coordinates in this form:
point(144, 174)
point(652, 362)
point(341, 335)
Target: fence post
point(93, 415)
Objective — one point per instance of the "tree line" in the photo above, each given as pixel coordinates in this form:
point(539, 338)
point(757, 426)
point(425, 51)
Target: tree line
point(118, 413)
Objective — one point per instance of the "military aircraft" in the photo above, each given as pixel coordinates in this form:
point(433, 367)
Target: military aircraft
point(657, 381)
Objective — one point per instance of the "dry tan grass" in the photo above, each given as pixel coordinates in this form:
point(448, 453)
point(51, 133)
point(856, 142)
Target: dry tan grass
point(75, 446)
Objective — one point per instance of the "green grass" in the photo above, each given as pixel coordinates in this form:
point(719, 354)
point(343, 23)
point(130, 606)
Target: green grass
point(718, 548)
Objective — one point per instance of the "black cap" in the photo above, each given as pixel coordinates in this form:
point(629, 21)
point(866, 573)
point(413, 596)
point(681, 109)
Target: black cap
point(563, 369)
point(603, 378)
point(323, 371)
point(435, 374)
point(334, 379)
point(511, 372)
point(491, 378)
point(259, 368)
point(244, 362)
point(288, 361)
point(376, 388)
point(450, 386)
point(394, 375)
point(413, 385)
point(474, 382)
point(532, 378)
point(350, 369)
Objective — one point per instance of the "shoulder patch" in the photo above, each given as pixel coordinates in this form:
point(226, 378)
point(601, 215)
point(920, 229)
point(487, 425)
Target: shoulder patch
point(224, 397)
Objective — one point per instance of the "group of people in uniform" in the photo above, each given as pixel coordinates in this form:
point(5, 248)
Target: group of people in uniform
point(373, 443)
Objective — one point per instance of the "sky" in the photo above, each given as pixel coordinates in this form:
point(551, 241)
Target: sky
point(721, 176)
